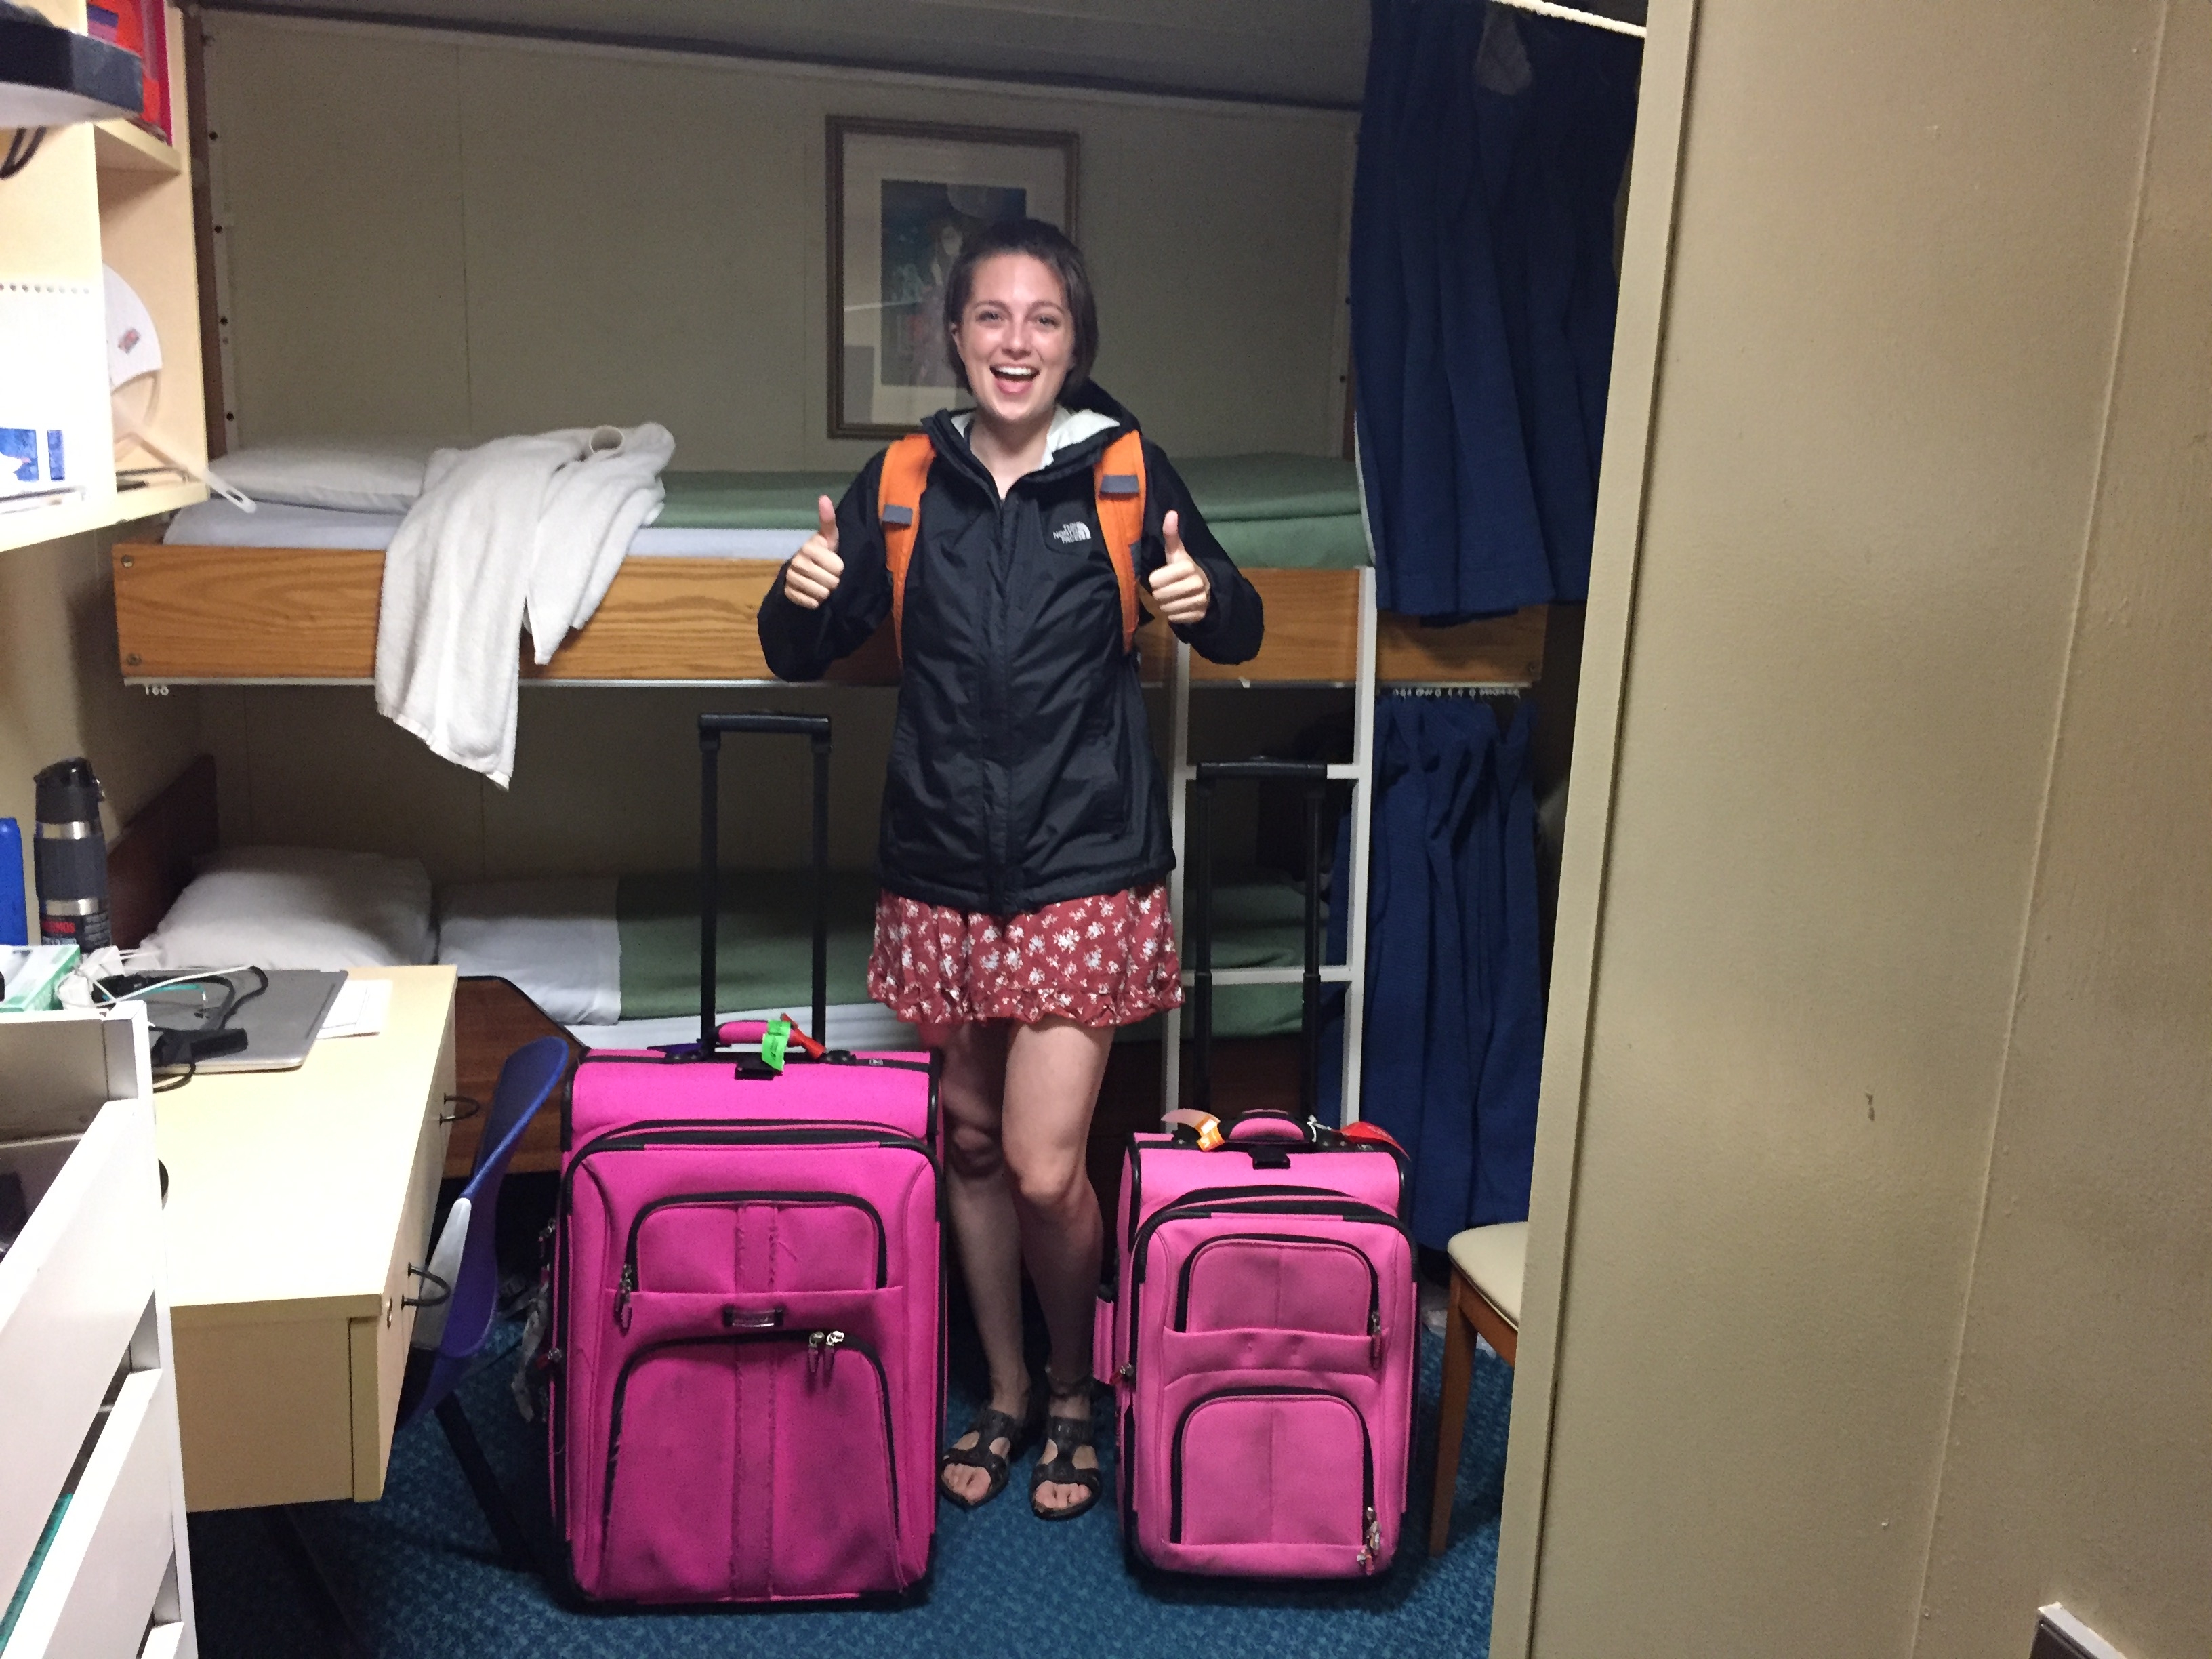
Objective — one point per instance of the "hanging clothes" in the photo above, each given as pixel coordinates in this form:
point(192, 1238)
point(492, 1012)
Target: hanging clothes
point(1491, 143)
point(1453, 1031)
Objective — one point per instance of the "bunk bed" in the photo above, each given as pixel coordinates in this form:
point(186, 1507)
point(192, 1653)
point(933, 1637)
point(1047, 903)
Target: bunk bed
point(216, 603)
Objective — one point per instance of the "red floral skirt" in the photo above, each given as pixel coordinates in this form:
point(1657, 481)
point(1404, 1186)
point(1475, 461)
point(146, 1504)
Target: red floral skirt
point(1107, 960)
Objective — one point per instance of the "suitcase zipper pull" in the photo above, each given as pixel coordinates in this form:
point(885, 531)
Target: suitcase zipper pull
point(628, 1284)
point(1371, 1550)
point(831, 1342)
point(1375, 1337)
point(1129, 1371)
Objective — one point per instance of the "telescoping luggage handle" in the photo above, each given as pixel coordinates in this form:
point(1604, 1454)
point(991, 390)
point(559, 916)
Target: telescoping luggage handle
point(1315, 775)
point(816, 729)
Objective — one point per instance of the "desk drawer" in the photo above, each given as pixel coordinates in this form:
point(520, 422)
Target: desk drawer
point(379, 1345)
point(96, 1588)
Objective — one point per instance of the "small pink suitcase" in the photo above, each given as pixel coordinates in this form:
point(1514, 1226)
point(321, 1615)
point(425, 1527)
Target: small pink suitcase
point(1258, 1329)
point(748, 1362)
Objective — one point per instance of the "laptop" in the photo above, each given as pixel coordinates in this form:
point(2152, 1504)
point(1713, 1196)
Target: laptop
point(280, 1023)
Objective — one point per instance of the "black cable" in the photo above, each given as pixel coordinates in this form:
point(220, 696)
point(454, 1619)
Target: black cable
point(21, 148)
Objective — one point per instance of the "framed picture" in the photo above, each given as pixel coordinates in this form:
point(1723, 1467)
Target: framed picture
point(903, 197)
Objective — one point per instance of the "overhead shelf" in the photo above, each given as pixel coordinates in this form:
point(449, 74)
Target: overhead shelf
point(124, 146)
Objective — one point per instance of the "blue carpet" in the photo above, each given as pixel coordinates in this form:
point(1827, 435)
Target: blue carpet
point(419, 1574)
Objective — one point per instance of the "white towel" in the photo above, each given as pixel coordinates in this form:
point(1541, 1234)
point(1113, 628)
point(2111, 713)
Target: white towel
point(530, 527)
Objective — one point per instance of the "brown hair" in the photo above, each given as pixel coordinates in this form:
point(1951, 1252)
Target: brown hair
point(1040, 241)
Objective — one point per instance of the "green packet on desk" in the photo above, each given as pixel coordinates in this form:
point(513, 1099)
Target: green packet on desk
point(31, 977)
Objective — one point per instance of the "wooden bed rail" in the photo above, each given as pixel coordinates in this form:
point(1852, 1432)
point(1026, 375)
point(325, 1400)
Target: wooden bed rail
point(186, 613)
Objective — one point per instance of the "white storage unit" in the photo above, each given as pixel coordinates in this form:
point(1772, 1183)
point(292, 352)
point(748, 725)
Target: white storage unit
point(92, 1555)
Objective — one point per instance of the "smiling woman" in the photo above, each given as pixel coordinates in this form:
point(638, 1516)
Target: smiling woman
point(1024, 843)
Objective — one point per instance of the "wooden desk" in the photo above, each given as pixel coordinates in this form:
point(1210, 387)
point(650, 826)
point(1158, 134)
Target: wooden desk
point(297, 1200)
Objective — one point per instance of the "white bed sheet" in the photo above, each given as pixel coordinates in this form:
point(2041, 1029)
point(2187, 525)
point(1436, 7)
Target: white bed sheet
point(554, 939)
point(218, 523)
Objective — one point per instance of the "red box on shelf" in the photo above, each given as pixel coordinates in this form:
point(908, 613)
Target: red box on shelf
point(143, 27)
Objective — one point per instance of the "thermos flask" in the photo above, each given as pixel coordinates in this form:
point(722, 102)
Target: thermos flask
point(70, 857)
point(14, 929)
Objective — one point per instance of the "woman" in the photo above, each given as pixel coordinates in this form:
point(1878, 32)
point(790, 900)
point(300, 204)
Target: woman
point(1024, 837)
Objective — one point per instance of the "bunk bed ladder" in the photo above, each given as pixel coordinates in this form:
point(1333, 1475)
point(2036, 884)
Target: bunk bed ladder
point(1352, 973)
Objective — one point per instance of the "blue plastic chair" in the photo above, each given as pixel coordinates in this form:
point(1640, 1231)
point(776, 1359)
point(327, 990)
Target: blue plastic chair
point(450, 1327)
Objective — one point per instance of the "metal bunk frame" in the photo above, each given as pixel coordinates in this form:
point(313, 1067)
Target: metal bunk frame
point(1350, 973)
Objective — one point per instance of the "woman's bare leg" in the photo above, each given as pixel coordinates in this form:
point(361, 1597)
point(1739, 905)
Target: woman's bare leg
point(972, 1091)
point(1052, 1071)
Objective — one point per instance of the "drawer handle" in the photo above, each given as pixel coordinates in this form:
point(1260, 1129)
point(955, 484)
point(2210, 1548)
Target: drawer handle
point(444, 1290)
point(474, 1108)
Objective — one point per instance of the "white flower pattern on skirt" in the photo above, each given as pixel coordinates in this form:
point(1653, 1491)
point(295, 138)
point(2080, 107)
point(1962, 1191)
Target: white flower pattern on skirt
point(1106, 960)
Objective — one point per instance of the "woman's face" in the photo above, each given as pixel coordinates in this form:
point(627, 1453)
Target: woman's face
point(1016, 339)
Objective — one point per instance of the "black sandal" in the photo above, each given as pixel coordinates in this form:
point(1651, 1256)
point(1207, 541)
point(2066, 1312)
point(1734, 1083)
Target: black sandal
point(987, 1425)
point(1063, 1436)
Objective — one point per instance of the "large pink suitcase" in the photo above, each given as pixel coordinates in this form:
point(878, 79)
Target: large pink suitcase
point(748, 1364)
point(1259, 1326)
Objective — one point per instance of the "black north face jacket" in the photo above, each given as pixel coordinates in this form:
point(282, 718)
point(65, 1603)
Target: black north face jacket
point(1022, 771)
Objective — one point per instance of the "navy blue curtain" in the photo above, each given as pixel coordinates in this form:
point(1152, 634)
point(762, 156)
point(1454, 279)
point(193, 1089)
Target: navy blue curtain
point(1454, 1017)
point(1491, 147)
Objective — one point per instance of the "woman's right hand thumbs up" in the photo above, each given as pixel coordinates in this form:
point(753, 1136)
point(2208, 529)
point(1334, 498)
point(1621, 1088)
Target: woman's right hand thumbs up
point(813, 574)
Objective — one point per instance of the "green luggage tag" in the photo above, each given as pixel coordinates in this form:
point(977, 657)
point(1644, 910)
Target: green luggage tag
point(774, 1040)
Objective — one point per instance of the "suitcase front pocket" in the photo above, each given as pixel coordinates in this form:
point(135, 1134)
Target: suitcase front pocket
point(1278, 1281)
point(754, 1466)
point(1279, 1466)
point(753, 1241)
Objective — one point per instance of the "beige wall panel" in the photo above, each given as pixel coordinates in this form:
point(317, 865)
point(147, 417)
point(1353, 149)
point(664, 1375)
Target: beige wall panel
point(61, 690)
point(2080, 1447)
point(339, 162)
point(638, 249)
point(609, 780)
point(641, 236)
point(323, 769)
point(1900, 246)
point(1216, 242)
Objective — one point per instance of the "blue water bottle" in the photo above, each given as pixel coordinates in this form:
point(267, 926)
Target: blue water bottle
point(15, 919)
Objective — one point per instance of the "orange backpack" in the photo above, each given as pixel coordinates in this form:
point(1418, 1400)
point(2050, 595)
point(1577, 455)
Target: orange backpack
point(1118, 483)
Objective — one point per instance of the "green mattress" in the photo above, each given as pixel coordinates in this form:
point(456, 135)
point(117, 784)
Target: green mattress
point(766, 940)
point(1296, 512)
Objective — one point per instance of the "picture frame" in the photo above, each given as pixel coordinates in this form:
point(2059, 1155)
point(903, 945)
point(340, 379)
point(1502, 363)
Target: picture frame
point(900, 195)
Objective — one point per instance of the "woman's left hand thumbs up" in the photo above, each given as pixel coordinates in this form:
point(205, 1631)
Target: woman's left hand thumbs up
point(1181, 592)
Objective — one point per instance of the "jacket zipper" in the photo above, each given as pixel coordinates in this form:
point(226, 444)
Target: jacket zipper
point(1374, 1278)
point(1369, 1534)
point(628, 1286)
point(823, 1347)
point(998, 770)
point(664, 1131)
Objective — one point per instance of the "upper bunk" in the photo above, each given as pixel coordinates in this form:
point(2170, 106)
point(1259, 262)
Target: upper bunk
point(289, 594)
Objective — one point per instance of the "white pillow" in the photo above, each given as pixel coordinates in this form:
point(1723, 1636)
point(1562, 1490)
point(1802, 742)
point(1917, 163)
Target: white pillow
point(295, 906)
point(369, 475)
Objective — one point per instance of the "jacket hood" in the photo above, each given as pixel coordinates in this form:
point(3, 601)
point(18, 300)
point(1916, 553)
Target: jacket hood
point(952, 443)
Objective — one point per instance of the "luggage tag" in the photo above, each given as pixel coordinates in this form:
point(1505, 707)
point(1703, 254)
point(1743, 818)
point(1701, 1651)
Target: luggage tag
point(1203, 1127)
point(774, 1042)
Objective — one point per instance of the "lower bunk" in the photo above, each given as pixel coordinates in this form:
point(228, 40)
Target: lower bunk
point(612, 962)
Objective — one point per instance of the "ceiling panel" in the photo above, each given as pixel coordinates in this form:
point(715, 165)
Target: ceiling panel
point(1306, 50)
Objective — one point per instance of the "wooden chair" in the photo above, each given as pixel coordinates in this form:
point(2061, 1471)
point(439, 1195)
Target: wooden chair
point(1485, 1301)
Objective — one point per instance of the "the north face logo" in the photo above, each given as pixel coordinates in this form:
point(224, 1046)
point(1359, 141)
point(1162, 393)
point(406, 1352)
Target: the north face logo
point(1073, 532)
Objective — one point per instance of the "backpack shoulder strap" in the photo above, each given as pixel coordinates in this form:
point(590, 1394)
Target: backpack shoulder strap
point(899, 507)
point(1119, 481)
